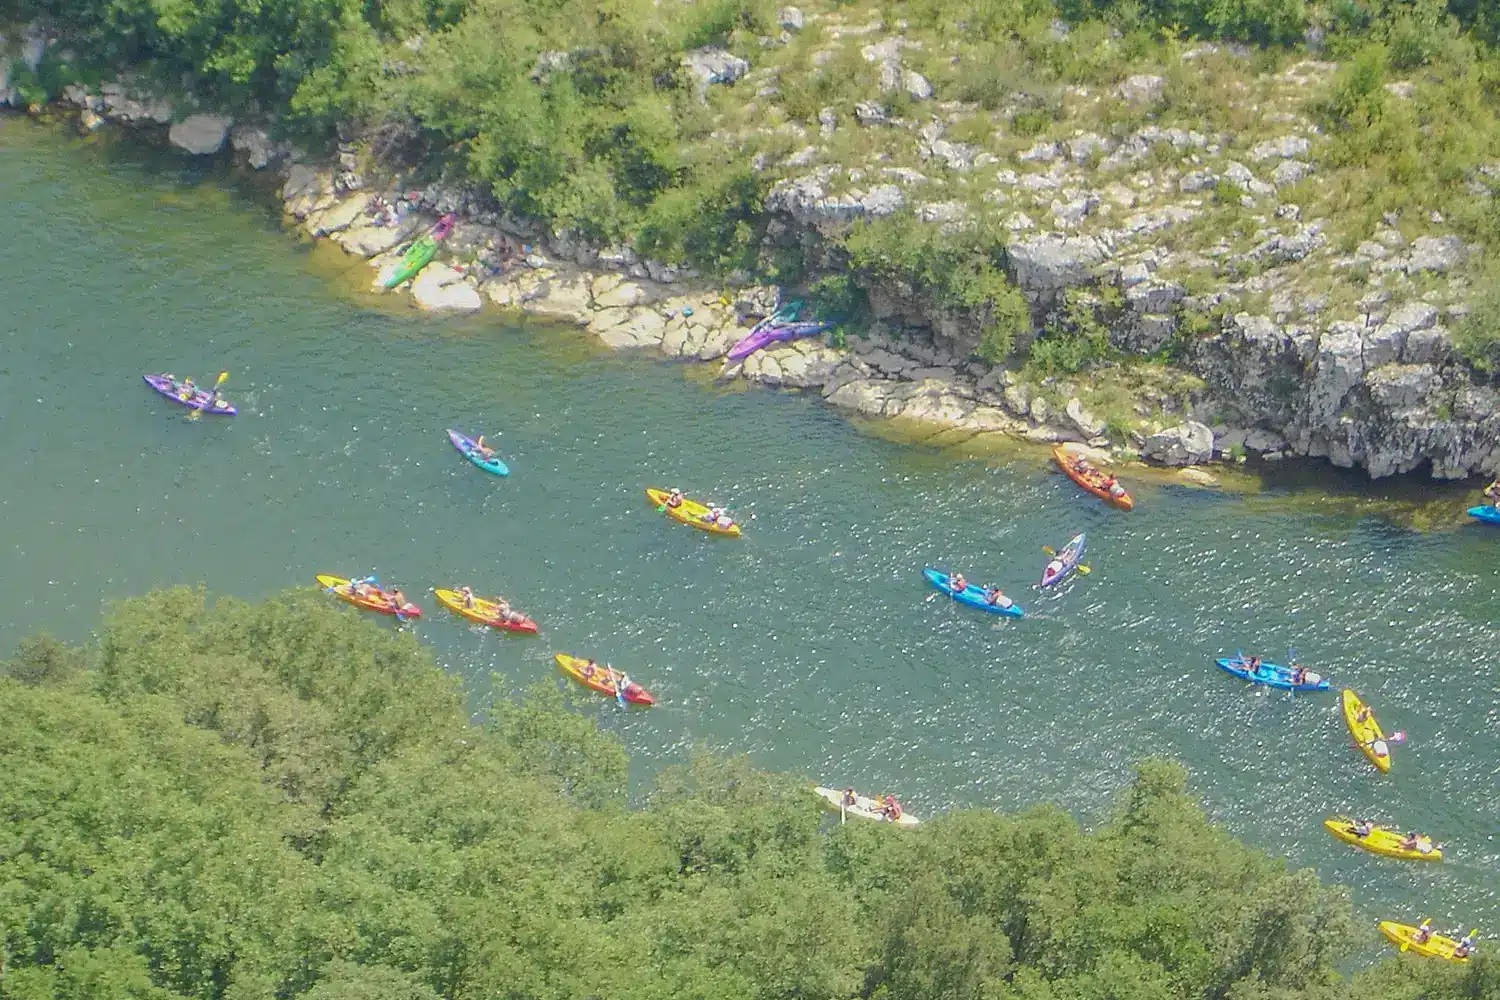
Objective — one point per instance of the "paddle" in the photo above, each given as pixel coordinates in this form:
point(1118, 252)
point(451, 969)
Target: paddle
point(1080, 567)
point(223, 377)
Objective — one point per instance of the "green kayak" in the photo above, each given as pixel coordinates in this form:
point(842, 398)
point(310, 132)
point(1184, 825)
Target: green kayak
point(417, 256)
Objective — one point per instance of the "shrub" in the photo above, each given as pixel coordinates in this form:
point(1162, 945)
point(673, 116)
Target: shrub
point(1072, 341)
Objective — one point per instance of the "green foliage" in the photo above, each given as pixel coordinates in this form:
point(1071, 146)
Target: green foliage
point(962, 270)
point(1073, 340)
point(154, 790)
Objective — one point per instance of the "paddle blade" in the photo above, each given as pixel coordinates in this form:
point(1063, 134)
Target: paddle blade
point(1049, 550)
point(1085, 570)
point(223, 377)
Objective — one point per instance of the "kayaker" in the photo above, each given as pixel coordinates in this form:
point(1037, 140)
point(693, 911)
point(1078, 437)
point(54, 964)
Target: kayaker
point(1492, 490)
point(1465, 946)
point(892, 809)
point(485, 452)
point(1253, 664)
point(187, 390)
point(587, 670)
point(623, 687)
point(850, 799)
point(1054, 568)
point(468, 595)
point(674, 497)
point(1362, 714)
point(717, 515)
point(957, 583)
point(360, 587)
point(1422, 933)
point(397, 599)
point(1410, 842)
point(1361, 828)
point(994, 598)
point(1113, 487)
point(1299, 674)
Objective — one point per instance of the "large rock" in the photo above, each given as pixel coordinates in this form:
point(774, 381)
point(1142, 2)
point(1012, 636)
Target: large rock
point(128, 106)
point(1185, 444)
point(1046, 264)
point(201, 135)
point(639, 326)
point(1438, 254)
point(1339, 368)
point(1286, 148)
point(440, 288)
point(708, 66)
point(564, 296)
point(336, 218)
point(1088, 425)
point(806, 200)
point(260, 152)
point(1141, 89)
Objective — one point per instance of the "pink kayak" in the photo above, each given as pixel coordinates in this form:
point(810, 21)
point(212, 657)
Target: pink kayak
point(759, 337)
point(193, 398)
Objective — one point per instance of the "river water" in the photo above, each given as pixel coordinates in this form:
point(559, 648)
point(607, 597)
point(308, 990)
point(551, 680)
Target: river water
point(812, 643)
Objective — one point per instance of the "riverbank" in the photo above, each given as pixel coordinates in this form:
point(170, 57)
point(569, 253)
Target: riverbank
point(1199, 296)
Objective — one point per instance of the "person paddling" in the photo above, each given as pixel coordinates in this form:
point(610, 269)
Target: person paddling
point(485, 452)
point(957, 584)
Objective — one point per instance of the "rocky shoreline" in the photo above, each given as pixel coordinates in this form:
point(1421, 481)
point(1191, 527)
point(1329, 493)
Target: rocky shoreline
point(1383, 389)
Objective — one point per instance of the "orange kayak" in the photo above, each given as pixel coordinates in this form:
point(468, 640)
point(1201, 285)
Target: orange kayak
point(1092, 480)
point(601, 678)
point(372, 599)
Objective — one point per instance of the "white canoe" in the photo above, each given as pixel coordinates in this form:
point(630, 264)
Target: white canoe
point(864, 807)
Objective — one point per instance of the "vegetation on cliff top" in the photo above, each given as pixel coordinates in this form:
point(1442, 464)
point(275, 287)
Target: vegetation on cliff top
point(582, 113)
point(246, 801)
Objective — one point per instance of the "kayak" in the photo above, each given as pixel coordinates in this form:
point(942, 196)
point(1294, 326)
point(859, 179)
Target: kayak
point(1436, 946)
point(1069, 555)
point(1271, 674)
point(485, 612)
point(193, 399)
point(864, 807)
point(972, 596)
point(470, 450)
point(1485, 512)
point(690, 512)
point(417, 256)
point(1383, 840)
point(1368, 735)
point(766, 336)
point(378, 601)
point(1091, 480)
point(601, 679)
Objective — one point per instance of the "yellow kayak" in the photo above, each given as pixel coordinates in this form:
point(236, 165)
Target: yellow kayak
point(1368, 735)
point(1436, 946)
point(486, 612)
point(691, 512)
point(1383, 840)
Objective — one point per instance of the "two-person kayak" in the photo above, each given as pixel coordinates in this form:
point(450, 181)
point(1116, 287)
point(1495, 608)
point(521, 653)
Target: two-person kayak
point(185, 393)
point(602, 678)
point(1098, 482)
point(974, 597)
point(1065, 561)
point(1383, 840)
point(878, 808)
point(469, 448)
point(486, 611)
point(368, 595)
point(1368, 735)
point(1425, 943)
point(692, 512)
point(1258, 671)
point(767, 335)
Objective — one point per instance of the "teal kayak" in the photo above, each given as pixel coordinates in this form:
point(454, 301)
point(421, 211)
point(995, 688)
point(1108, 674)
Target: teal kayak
point(417, 256)
point(972, 596)
point(471, 451)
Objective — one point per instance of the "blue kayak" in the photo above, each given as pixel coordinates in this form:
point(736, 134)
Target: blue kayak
point(972, 595)
point(1271, 674)
point(1069, 557)
point(470, 451)
point(1485, 512)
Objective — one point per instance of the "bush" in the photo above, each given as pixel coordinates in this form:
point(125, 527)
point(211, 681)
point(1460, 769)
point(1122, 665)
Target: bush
point(1074, 339)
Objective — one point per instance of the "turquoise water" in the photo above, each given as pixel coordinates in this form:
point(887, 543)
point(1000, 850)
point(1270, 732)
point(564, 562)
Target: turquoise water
point(812, 643)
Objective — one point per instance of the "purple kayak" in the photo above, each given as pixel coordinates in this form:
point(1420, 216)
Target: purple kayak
point(194, 398)
point(759, 338)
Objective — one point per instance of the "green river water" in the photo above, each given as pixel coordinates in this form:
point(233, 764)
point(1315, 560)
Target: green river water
point(811, 643)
